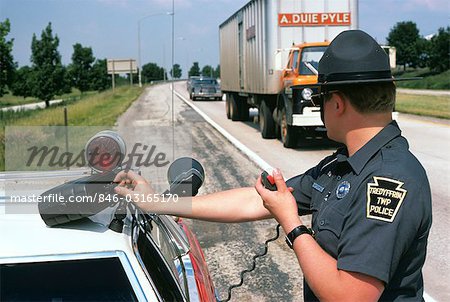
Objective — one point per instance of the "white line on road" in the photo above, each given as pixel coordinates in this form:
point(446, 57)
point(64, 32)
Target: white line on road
point(249, 153)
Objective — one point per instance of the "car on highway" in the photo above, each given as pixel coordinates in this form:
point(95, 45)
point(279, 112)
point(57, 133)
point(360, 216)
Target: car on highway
point(99, 253)
point(205, 88)
point(190, 81)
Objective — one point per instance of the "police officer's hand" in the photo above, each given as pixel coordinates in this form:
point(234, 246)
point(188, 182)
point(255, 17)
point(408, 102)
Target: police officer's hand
point(281, 203)
point(134, 187)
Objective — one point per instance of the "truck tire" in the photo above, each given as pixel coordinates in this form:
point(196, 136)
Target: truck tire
point(244, 110)
point(234, 110)
point(289, 135)
point(266, 122)
point(239, 110)
point(227, 106)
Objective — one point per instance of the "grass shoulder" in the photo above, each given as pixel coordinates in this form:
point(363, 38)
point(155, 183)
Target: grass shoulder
point(424, 105)
point(101, 109)
point(430, 80)
point(11, 100)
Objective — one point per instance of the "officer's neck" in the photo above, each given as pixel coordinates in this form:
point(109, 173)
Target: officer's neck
point(363, 129)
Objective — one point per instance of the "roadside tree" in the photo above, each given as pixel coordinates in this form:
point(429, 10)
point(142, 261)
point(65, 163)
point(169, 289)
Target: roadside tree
point(49, 75)
point(217, 72)
point(195, 70)
point(152, 72)
point(405, 36)
point(439, 59)
point(6, 59)
point(100, 80)
point(80, 71)
point(176, 71)
point(208, 71)
point(23, 82)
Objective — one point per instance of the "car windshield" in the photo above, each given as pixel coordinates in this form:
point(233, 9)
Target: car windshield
point(206, 82)
point(310, 59)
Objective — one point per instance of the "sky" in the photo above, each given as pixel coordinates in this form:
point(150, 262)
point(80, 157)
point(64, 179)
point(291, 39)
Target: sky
point(110, 27)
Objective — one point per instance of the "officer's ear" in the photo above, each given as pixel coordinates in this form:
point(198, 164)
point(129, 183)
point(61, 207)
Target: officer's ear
point(339, 103)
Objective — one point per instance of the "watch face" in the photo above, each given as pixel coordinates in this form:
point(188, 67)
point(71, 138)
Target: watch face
point(301, 229)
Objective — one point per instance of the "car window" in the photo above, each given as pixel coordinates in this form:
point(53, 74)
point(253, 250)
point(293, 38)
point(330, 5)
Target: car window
point(293, 63)
point(70, 280)
point(159, 269)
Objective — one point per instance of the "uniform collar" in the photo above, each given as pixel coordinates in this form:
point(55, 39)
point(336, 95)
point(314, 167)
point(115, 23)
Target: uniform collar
point(358, 160)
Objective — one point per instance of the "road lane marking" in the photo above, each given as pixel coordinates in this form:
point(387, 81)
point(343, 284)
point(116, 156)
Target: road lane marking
point(244, 149)
point(249, 153)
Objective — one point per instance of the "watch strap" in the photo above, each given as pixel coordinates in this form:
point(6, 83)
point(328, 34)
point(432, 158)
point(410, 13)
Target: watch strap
point(297, 231)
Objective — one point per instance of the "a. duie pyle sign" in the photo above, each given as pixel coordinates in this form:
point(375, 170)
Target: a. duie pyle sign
point(314, 19)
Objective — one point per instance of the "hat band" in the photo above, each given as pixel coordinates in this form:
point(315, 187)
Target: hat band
point(355, 76)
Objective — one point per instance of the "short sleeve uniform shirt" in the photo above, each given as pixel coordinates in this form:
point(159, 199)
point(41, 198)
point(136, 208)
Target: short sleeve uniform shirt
point(371, 212)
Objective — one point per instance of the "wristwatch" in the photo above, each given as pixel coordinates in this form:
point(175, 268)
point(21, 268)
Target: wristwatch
point(301, 229)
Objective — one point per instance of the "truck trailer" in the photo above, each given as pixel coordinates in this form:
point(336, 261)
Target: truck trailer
point(269, 54)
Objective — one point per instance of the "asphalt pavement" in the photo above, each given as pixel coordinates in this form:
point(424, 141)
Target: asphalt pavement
point(229, 248)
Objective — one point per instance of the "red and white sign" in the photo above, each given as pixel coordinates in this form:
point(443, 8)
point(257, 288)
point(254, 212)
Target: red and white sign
point(314, 19)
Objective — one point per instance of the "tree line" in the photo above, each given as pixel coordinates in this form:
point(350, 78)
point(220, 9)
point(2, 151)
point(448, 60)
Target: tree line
point(415, 51)
point(207, 71)
point(47, 76)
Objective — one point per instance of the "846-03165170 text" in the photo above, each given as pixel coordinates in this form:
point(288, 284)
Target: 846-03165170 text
point(97, 197)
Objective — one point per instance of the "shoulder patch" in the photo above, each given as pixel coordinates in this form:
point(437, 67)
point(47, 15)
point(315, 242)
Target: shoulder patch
point(384, 198)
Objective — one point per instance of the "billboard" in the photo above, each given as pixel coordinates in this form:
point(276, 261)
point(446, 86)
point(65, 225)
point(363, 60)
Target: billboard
point(116, 66)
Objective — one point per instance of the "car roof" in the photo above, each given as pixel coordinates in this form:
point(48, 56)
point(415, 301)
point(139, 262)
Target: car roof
point(27, 235)
point(36, 238)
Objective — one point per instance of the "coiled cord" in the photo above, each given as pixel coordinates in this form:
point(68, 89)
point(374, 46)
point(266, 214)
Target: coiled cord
point(266, 248)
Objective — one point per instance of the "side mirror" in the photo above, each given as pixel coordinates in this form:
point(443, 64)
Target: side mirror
point(185, 176)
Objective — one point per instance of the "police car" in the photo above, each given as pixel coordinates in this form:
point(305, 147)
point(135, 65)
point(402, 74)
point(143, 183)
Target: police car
point(102, 256)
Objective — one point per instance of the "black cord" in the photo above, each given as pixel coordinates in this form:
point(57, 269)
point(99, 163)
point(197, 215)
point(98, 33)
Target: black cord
point(266, 247)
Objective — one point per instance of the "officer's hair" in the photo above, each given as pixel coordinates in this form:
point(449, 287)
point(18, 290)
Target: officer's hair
point(369, 97)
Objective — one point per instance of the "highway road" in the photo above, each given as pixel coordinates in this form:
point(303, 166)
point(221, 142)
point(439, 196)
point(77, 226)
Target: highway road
point(229, 247)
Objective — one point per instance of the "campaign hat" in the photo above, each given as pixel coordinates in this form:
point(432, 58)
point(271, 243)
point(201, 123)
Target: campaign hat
point(354, 57)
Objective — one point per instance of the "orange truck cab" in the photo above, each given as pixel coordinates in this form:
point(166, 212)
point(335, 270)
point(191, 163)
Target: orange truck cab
point(294, 115)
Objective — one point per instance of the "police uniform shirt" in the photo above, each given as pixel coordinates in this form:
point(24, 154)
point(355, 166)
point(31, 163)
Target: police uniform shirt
point(371, 212)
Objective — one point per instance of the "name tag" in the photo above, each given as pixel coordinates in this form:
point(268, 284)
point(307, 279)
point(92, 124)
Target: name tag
point(318, 187)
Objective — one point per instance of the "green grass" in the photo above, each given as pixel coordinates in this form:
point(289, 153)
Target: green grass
point(440, 81)
point(101, 109)
point(434, 106)
point(12, 100)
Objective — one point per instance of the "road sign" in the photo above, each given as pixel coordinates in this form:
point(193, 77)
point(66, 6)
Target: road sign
point(116, 66)
point(121, 66)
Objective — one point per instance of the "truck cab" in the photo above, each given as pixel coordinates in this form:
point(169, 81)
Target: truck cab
point(295, 116)
point(303, 63)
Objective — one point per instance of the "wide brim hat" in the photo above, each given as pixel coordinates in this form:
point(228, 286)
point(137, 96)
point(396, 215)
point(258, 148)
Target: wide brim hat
point(354, 57)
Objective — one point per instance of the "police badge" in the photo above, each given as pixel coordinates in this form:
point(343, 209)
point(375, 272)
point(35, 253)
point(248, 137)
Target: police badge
point(343, 189)
point(384, 198)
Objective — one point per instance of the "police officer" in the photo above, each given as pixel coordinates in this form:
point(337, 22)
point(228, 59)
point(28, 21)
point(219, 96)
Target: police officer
point(370, 201)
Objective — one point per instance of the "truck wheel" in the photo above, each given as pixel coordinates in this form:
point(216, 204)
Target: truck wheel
point(244, 110)
point(289, 135)
point(234, 111)
point(266, 122)
point(227, 106)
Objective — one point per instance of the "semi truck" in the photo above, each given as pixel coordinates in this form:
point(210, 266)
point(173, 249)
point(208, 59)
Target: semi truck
point(269, 55)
